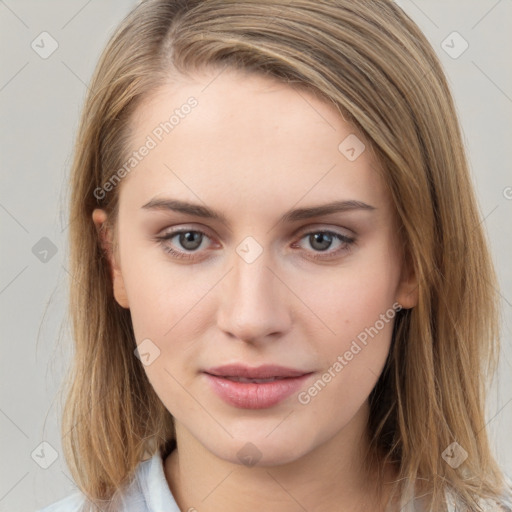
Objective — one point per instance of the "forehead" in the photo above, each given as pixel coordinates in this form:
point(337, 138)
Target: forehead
point(227, 135)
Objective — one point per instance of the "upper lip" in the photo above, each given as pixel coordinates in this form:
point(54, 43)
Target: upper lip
point(260, 372)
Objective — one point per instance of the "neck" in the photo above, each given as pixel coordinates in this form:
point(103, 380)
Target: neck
point(330, 477)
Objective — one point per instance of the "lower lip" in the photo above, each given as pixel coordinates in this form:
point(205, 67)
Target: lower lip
point(253, 395)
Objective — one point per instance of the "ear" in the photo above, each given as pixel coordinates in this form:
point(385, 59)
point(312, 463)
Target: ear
point(99, 218)
point(407, 291)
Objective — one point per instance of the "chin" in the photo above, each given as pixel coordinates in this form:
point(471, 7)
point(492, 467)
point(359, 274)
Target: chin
point(258, 448)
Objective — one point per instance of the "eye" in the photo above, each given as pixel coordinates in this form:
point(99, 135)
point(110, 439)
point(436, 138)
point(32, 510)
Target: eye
point(188, 239)
point(321, 241)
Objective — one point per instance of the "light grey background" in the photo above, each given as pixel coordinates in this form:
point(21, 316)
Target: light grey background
point(40, 101)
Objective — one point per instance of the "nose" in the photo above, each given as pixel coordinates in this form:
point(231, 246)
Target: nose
point(254, 302)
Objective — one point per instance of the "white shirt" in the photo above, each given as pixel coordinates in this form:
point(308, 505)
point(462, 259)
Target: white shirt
point(149, 492)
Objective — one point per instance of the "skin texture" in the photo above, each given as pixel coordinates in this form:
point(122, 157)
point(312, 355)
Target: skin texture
point(252, 149)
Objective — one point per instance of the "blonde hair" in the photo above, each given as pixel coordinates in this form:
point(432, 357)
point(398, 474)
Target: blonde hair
point(372, 62)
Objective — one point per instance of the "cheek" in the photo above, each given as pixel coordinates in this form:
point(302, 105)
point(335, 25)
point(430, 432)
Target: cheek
point(356, 306)
point(166, 302)
point(162, 295)
point(167, 307)
point(358, 309)
point(352, 297)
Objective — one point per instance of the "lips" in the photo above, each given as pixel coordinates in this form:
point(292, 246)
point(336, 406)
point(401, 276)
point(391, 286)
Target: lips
point(255, 388)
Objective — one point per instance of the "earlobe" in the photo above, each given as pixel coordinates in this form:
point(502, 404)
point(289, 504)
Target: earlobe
point(407, 296)
point(119, 289)
point(407, 293)
point(99, 218)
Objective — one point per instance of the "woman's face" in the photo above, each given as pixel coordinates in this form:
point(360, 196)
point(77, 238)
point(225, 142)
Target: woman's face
point(263, 273)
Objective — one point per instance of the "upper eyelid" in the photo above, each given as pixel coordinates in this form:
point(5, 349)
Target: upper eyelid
point(304, 229)
point(171, 232)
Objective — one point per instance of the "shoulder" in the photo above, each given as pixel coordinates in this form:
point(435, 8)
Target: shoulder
point(71, 503)
point(147, 491)
point(502, 503)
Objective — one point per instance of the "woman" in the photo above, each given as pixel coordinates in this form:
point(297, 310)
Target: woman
point(271, 203)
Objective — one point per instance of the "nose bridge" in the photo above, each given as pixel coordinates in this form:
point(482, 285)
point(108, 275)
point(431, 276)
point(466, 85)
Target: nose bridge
point(252, 302)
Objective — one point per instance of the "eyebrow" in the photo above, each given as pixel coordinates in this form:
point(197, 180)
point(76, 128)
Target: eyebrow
point(290, 216)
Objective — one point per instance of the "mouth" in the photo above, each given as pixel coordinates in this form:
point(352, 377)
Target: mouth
point(244, 379)
point(264, 372)
point(255, 388)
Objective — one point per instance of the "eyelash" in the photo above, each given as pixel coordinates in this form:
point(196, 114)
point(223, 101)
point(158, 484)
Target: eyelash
point(346, 241)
